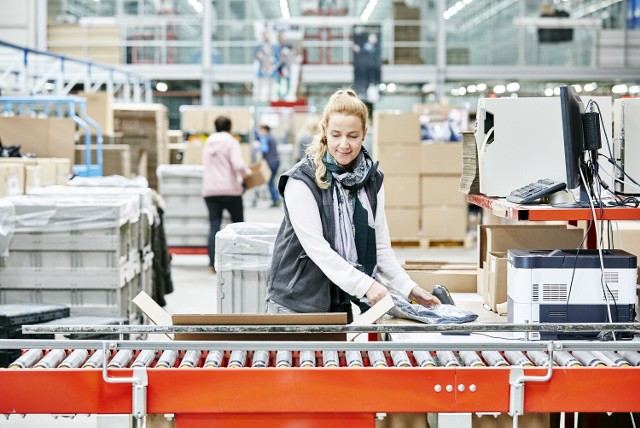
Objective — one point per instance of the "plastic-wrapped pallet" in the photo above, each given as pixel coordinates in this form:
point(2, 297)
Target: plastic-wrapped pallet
point(243, 256)
point(186, 220)
point(7, 225)
point(73, 251)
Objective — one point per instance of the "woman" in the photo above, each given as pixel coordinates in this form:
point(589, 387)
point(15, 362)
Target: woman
point(333, 245)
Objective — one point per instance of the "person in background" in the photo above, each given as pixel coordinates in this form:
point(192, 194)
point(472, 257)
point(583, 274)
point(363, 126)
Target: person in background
point(333, 246)
point(222, 172)
point(269, 149)
point(306, 138)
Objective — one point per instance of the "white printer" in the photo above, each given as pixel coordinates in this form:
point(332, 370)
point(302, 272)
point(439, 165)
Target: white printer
point(565, 286)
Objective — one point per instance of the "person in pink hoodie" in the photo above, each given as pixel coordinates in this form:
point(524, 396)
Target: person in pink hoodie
point(223, 169)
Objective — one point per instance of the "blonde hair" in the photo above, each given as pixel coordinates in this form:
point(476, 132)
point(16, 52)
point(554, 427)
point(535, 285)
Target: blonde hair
point(343, 101)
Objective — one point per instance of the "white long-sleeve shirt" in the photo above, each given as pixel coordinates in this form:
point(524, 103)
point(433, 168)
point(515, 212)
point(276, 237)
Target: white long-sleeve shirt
point(305, 219)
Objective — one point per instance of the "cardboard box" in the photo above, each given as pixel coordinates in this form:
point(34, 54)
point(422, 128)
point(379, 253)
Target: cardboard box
point(32, 175)
point(441, 158)
point(192, 120)
point(500, 238)
point(396, 127)
point(398, 159)
point(259, 173)
point(444, 222)
point(11, 179)
point(457, 277)
point(116, 158)
point(441, 190)
point(496, 268)
point(50, 137)
point(402, 190)
point(99, 108)
point(626, 236)
point(403, 420)
point(192, 154)
point(404, 223)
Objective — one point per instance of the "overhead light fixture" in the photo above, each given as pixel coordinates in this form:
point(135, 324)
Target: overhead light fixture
point(456, 8)
point(499, 89)
point(161, 87)
point(391, 87)
point(619, 89)
point(634, 89)
point(284, 9)
point(590, 87)
point(382, 86)
point(368, 10)
point(481, 87)
point(548, 92)
point(513, 86)
point(462, 90)
point(472, 89)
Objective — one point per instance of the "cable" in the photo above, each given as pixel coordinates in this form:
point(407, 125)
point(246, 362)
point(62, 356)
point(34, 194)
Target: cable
point(602, 281)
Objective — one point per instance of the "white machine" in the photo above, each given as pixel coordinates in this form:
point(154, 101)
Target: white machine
point(520, 141)
point(626, 133)
point(560, 286)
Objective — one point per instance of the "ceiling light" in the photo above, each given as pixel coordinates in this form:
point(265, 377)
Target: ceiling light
point(619, 89)
point(578, 88)
point(472, 89)
point(634, 89)
point(382, 86)
point(462, 90)
point(556, 91)
point(391, 87)
point(161, 87)
point(481, 87)
point(513, 86)
point(548, 92)
point(589, 87)
point(368, 10)
point(499, 89)
point(456, 8)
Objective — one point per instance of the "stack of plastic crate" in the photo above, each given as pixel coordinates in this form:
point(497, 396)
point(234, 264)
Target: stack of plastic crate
point(243, 257)
point(106, 187)
point(76, 251)
point(186, 220)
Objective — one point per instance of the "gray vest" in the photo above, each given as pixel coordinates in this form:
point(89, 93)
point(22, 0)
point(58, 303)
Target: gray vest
point(294, 281)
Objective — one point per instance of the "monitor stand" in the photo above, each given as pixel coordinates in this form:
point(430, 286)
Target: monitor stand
point(572, 198)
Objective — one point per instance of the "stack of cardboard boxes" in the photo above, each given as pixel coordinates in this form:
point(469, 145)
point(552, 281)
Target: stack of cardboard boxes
point(144, 128)
point(444, 209)
point(422, 201)
point(396, 146)
point(200, 120)
point(19, 175)
point(406, 32)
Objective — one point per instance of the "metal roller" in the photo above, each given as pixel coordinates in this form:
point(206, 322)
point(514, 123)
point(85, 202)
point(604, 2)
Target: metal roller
point(167, 359)
point(260, 359)
point(633, 357)
point(471, 359)
point(377, 359)
point(518, 358)
point(214, 359)
point(611, 359)
point(121, 359)
point(539, 358)
point(74, 359)
point(354, 359)
point(283, 358)
point(307, 358)
point(424, 359)
point(447, 359)
point(400, 359)
point(588, 359)
point(27, 360)
point(237, 359)
point(95, 360)
point(144, 358)
point(494, 358)
point(330, 359)
point(51, 360)
point(565, 359)
point(190, 358)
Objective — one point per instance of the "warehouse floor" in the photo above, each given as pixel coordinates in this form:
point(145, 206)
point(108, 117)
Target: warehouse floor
point(195, 292)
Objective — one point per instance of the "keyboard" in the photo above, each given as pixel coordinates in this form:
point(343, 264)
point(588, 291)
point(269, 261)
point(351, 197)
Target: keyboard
point(534, 191)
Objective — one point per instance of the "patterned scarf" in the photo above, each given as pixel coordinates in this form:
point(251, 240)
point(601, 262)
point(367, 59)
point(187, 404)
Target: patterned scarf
point(353, 216)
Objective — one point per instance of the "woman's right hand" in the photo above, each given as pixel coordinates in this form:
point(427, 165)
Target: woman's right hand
point(376, 292)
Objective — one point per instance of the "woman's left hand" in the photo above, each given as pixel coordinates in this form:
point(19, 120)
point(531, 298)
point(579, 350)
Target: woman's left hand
point(423, 297)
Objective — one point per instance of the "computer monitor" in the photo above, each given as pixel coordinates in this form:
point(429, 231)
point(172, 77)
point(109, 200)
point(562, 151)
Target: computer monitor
point(572, 110)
